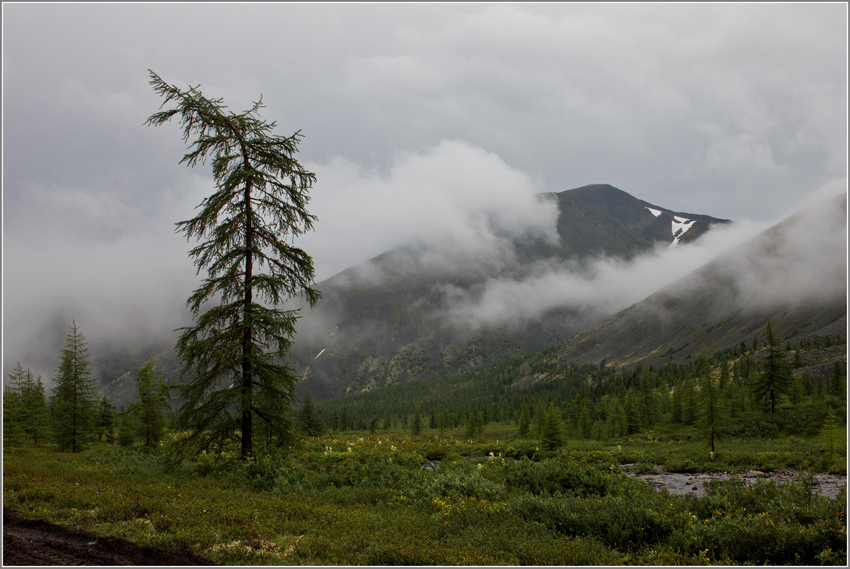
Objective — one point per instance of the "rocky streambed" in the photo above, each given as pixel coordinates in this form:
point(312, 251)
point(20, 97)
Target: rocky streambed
point(678, 484)
point(694, 483)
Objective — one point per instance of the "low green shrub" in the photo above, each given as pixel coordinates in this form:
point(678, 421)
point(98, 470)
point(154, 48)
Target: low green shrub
point(618, 521)
point(457, 482)
point(767, 522)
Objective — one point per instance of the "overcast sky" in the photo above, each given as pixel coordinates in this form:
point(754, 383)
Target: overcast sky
point(415, 118)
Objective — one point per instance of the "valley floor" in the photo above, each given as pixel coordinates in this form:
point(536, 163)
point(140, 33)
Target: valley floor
point(365, 499)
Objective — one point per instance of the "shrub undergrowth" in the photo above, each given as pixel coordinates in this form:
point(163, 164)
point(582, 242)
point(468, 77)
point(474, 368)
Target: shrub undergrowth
point(439, 501)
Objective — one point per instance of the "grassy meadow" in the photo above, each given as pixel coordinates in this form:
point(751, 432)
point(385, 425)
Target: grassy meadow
point(359, 498)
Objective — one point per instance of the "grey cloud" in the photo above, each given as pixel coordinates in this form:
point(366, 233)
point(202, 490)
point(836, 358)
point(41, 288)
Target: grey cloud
point(461, 196)
point(804, 258)
point(733, 110)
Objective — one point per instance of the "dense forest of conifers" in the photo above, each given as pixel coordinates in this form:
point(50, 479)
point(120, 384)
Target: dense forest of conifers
point(759, 389)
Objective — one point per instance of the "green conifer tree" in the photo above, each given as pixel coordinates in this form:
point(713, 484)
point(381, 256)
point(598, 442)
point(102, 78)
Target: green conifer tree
point(373, 425)
point(310, 422)
point(72, 406)
point(416, 428)
point(105, 425)
point(710, 407)
point(474, 424)
point(690, 403)
point(838, 383)
point(259, 204)
point(539, 418)
point(524, 421)
point(647, 401)
point(552, 433)
point(13, 435)
point(13, 409)
point(677, 409)
point(17, 379)
point(126, 429)
point(34, 403)
point(343, 419)
point(148, 413)
point(630, 407)
point(829, 436)
point(775, 377)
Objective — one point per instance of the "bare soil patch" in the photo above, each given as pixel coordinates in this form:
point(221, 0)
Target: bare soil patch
point(37, 542)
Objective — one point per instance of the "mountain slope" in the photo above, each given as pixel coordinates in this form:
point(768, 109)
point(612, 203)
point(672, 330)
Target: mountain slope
point(793, 274)
point(373, 330)
point(394, 318)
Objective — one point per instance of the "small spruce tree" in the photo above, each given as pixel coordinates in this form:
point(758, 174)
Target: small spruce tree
point(416, 428)
point(310, 422)
point(552, 433)
point(474, 424)
point(13, 409)
point(105, 426)
point(524, 421)
point(775, 376)
point(13, 436)
point(34, 403)
point(829, 436)
point(126, 429)
point(148, 413)
point(710, 406)
point(373, 424)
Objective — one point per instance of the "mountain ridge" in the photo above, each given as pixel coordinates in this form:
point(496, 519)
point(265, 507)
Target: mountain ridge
point(388, 331)
point(711, 307)
point(388, 320)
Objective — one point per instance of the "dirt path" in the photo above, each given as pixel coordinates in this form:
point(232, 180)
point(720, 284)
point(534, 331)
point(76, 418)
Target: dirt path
point(37, 542)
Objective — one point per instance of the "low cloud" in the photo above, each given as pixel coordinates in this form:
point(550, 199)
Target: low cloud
point(122, 275)
point(805, 258)
point(460, 199)
point(597, 288)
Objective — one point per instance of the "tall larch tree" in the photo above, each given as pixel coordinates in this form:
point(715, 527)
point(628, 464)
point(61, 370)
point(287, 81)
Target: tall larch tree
point(232, 356)
point(72, 406)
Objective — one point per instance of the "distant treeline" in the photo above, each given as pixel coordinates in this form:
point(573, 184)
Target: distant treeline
point(598, 401)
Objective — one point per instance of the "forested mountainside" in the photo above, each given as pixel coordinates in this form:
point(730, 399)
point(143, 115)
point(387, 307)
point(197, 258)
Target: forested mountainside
point(603, 401)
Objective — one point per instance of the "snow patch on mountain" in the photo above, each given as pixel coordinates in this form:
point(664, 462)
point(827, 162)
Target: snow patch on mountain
point(680, 226)
point(655, 212)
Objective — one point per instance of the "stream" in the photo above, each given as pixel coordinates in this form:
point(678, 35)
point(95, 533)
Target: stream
point(678, 484)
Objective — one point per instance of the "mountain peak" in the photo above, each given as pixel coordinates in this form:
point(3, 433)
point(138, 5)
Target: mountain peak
point(653, 223)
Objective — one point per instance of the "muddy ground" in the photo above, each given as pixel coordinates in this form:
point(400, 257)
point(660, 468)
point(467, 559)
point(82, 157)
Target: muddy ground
point(37, 542)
